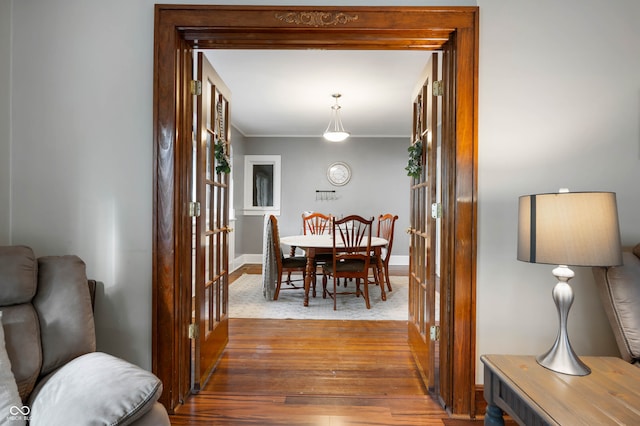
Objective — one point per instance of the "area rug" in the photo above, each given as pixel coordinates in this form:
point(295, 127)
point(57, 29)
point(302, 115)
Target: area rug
point(246, 301)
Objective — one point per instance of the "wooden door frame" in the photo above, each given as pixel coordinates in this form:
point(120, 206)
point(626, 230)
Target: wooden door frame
point(180, 28)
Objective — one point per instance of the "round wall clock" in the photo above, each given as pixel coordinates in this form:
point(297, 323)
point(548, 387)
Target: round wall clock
point(338, 173)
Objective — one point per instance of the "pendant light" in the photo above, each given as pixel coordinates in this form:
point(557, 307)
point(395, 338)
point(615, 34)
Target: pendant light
point(335, 130)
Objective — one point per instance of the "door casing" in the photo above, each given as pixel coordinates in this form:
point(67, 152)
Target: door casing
point(180, 28)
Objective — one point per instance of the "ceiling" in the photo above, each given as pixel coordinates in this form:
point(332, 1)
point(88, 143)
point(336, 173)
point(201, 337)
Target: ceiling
point(288, 92)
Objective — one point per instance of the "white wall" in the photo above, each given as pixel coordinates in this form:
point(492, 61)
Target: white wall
point(5, 121)
point(83, 149)
point(559, 106)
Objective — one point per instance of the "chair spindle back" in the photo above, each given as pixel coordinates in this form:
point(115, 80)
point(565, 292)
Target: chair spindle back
point(316, 224)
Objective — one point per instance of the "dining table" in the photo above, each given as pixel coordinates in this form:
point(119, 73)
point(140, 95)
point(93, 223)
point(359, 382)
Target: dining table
point(313, 244)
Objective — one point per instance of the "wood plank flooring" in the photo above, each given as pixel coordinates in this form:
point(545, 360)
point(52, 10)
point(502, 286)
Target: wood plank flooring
point(313, 372)
point(289, 372)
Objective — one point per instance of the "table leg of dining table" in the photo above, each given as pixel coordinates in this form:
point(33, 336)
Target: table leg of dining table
point(378, 253)
point(308, 274)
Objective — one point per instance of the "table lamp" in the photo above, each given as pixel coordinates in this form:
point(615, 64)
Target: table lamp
point(568, 228)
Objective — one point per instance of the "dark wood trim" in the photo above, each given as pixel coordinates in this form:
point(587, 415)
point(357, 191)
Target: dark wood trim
point(176, 29)
point(481, 404)
point(464, 205)
point(163, 274)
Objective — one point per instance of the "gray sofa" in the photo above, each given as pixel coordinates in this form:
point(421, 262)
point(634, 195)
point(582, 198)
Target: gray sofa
point(56, 377)
point(619, 288)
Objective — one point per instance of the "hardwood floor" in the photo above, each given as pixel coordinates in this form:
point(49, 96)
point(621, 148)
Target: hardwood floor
point(289, 372)
point(312, 372)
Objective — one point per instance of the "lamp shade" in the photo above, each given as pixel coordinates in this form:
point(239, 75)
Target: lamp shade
point(335, 135)
point(569, 228)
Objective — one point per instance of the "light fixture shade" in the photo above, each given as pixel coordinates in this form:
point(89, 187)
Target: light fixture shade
point(335, 136)
point(569, 228)
point(335, 130)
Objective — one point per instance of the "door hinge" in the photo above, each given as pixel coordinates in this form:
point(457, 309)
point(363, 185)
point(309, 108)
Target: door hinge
point(436, 210)
point(196, 87)
point(193, 331)
point(194, 209)
point(438, 88)
point(434, 333)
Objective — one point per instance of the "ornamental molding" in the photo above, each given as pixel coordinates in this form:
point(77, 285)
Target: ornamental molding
point(316, 19)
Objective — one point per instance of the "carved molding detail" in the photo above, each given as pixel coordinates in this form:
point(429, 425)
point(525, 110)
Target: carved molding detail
point(316, 19)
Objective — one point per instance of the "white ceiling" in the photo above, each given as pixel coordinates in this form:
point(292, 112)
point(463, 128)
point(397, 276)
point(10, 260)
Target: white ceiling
point(288, 92)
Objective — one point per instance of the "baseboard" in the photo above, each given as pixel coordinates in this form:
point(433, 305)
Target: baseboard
point(481, 404)
point(244, 260)
point(399, 260)
point(249, 259)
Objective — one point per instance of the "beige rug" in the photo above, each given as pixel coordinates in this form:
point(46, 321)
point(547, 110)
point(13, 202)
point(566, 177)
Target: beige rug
point(246, 301)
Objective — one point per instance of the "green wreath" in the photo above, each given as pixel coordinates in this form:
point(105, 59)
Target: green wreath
point(222, 161)
point(414, 166)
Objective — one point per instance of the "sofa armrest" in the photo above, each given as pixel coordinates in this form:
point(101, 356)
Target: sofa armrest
point(156, 416)
point(95, 388)
point(92, 292)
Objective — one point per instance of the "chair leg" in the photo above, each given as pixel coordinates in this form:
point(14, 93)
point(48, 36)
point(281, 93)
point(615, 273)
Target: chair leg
point(277, 292)
point(324, 286)
point(335, 292)
point(386, 276)
point(313, 280)
point(366, 294)
point(375, 274)
point(292, 253)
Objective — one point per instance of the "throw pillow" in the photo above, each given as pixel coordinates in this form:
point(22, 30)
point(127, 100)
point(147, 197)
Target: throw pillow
point(11, 410)
point(95, 388)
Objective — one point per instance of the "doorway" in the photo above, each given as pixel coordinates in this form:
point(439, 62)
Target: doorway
point(180, 28)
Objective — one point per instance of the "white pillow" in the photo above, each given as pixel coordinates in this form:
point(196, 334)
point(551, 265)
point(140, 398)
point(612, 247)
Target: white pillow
point(11, 410)
point(94, 389)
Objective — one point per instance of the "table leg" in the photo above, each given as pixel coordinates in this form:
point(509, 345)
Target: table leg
point(378, 253)
point(309, 273)
point(493, 416)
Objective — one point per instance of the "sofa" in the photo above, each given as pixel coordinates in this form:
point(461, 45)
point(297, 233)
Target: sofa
point(619, 289)
point(50, 372)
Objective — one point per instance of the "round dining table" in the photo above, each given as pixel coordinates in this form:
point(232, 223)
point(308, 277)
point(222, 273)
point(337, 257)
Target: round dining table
point(323, 243)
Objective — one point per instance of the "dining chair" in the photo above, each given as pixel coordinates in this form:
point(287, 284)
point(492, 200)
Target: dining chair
point(315, 223)
point(351, 253)
point(285, 264)
point(386, 226)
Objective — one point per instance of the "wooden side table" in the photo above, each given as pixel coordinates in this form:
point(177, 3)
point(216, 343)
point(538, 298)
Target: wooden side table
point(534, 395)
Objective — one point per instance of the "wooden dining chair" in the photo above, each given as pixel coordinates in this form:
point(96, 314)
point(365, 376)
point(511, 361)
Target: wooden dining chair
point(386, 226)
point(315, 224)
point(351, 253)
point(285, 264)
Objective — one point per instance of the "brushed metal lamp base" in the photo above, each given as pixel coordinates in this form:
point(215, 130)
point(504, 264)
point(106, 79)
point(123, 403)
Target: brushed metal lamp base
point(561, 358)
